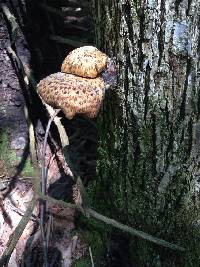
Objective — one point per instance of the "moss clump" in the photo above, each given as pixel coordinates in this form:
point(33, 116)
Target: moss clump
point(9, 157)
point(95, 235)
point(6, 154)
point(83, 262)
point(28, 169)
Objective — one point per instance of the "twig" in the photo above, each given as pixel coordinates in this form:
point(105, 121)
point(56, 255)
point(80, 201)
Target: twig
point(22, 212)
point(43, 188)
point(32, 140)
point(114, 223)
point(27, 76)
point(13, 22)
point(11, 244)
point(91, 257)
point(61, 130)
point(43, 181)
point(56, 201)
point(26, 109)
point(15, 29)
point(133, 231)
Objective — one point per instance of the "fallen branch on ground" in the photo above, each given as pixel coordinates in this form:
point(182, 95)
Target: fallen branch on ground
point(114, 223)
point(12, 242)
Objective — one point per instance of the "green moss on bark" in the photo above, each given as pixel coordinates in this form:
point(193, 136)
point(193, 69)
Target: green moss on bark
point(10, 159)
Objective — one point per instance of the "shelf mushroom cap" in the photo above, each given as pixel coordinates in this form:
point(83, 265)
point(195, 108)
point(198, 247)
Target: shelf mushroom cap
point(85, 61)
point(72, 94)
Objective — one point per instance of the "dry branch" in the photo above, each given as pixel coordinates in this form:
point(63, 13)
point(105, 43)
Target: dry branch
point(133, 231)
point(43, 188)
point(91, 257)
point(17, 233)
point(13, 22)
point(115, 223)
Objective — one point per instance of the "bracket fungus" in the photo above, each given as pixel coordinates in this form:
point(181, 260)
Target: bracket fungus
point(80, 87)
point(85, 61)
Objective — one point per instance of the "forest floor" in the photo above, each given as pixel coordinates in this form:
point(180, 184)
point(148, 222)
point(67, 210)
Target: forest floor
point(16, 171)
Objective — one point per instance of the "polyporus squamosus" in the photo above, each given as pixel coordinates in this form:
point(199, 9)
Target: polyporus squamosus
point(86, 61)
point(72, 94)
point(79, 88)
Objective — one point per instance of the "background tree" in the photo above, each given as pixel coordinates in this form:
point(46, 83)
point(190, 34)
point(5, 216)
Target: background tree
point(149, 129)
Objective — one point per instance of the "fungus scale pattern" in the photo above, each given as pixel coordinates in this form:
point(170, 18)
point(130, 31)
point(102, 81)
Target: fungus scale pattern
point(72, 94)
point(86, 61)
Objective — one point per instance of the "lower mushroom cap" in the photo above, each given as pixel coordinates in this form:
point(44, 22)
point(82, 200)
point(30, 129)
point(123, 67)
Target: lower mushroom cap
point(72, 94)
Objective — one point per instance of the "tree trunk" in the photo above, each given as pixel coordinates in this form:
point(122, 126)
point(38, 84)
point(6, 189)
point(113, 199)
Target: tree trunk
point(149, 128)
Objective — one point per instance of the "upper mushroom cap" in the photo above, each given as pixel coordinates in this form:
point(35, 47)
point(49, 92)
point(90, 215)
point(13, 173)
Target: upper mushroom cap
point(85, 61)
point(72, 94)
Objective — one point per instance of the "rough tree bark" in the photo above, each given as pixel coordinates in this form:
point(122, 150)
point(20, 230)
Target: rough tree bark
point(150, 129)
